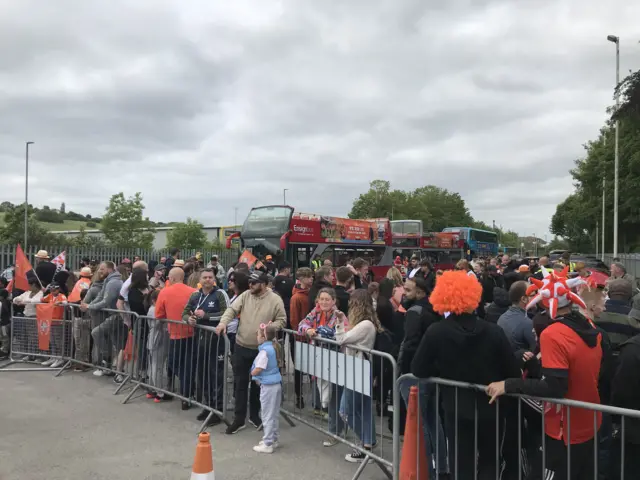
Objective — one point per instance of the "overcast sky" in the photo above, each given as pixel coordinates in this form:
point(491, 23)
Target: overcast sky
point(217, 105)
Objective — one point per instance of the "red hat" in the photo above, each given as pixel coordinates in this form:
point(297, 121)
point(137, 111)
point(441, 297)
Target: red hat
point(398, 260)
point(554, 291)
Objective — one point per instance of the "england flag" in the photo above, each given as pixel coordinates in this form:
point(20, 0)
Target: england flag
point(60, 262)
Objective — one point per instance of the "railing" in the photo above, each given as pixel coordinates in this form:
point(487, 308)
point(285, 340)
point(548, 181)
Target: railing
point(346, 391)
point(513, 439)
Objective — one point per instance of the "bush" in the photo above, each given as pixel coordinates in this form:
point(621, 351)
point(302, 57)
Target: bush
point(92, 225)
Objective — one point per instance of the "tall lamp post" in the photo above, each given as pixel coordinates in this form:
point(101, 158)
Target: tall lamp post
point(284, 196)
point(26, 193)
point(616, 40)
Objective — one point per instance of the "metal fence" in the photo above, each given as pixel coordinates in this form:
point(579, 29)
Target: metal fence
point(631, 262)
point(348, 396)
point(166, 359)
point(74, 255)
point(461, 436)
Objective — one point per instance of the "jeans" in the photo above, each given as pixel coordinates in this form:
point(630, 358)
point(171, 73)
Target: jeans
point(336, 424)
point(183, 363)
point(242, 360)
point(431, 423)
point(358, 410)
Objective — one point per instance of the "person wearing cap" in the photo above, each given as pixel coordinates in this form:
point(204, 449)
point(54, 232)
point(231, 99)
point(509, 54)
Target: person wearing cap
point(45, 268)
point(270, 265)
point(619, 320)
point(57, 342)
point(254, 307)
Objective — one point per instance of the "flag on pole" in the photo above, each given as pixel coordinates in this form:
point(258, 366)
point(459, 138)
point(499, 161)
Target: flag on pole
point(44, 316)
point(60, 261)
point(23, 267)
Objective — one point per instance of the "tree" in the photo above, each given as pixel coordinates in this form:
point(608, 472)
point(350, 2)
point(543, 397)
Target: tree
point(63, 208)
point(436, 207)
point(84, 240)
point(187, 236)
point(12, 231)
point(124, 225)
point(558, 244)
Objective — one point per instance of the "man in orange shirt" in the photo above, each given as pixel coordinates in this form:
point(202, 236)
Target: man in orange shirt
point(170, 305)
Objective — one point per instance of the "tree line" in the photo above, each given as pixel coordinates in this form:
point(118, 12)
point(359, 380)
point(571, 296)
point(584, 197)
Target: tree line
point(576, 219)
point(123, 225)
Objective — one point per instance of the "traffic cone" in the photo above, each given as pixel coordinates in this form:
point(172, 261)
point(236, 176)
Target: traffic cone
point(203, 461)
point(414, 463)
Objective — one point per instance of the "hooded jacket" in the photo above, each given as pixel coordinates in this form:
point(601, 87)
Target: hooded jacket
point(501, 304)
point(299, 307)
point(466, 349)
point(419, 317)
point(625, 387)
point(108, 296)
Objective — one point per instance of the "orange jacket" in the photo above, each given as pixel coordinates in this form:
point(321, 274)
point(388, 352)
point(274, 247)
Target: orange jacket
point(299, 307)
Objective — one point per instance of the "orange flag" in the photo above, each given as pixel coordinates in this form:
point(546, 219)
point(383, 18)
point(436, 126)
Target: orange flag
point(44, 315)
point(22, 267)
point(248, 258)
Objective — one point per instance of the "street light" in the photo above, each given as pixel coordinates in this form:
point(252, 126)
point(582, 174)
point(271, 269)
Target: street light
point(26, 194)
point(616, 40)
point(284, 195)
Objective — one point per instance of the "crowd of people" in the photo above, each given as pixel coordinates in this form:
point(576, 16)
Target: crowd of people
point(537, 328)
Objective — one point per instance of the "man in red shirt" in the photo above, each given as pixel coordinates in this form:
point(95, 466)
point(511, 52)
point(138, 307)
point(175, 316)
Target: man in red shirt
point(571, 351)
point(170, 306)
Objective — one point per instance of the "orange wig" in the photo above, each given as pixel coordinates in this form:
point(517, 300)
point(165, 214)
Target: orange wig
point(456, 292)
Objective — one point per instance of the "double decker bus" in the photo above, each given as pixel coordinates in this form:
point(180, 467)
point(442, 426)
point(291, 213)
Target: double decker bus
point(408, 239)
point(299, 238)
point(478, 242)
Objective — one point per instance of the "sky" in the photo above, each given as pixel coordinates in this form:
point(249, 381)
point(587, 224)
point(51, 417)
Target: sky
point(209, 106)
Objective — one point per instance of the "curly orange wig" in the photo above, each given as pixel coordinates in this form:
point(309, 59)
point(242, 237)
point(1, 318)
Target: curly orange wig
point(456, 292)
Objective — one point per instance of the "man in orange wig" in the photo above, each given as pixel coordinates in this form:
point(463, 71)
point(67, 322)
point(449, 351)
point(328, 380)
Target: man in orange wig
point(464, 348)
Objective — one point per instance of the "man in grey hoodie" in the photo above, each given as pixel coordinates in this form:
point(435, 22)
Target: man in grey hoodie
point(109, 333)
point(515, 322)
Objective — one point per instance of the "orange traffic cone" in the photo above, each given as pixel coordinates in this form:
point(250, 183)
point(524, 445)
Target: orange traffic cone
point(203, 462)
point(414, 463)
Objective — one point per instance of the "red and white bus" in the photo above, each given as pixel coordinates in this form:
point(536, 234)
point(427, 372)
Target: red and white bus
point(299, 238)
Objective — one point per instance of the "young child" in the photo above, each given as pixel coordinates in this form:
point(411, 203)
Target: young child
point(266, 372)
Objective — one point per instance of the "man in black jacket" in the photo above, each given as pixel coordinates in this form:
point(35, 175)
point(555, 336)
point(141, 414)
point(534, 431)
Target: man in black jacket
point(45, 268)
point(344, 280)
point(283, 285)
point(205, 307)
point(419, 317)
point(465, 349)
point(323, 279)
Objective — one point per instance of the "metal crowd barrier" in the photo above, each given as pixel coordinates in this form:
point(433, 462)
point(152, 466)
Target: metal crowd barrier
point(466, 438)
point(347, 396)
point(132, 349)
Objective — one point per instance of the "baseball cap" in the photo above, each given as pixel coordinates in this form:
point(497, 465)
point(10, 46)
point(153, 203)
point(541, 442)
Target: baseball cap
point(160, 267)
point(258, 277)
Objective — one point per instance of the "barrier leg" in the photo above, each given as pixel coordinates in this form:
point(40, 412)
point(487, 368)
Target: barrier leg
point(131, 393)
point(62, 369)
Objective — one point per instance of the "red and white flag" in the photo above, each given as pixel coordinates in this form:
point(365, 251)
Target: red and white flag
point(60, 261)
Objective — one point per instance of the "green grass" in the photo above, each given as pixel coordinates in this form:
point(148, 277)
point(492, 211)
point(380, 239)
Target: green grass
point(57, 227)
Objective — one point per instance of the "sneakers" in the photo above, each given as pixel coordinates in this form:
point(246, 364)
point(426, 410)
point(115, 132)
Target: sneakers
point(162, 398)
point(80, 368)
point(118, 379)
point(262, 448)
point(357, 456)
point(202, 416)
point(322, 413)
point(235, 427)
point(256, 422)
point(58, 363)
point(185, 405)
point(98, 372)
point(214, 420)
point(151, 395)
point(48, 363)
point(330, 442)
point(300, 403)
point(275, 444)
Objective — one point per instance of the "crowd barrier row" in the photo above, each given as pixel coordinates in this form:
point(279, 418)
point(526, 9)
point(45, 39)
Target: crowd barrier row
point(354, 396)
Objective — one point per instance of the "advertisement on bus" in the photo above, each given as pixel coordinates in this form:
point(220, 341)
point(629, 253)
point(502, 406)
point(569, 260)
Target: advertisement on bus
point(310, 228)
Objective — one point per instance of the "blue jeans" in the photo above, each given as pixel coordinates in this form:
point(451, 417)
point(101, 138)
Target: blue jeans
point(336, 424)
point(431, 422)
point(357, 409)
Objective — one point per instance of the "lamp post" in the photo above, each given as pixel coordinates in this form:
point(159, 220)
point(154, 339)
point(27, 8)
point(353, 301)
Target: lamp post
point(616, 40)
point(284, 195)
point(26, 193)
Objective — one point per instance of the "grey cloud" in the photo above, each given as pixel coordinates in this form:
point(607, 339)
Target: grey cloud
point(207, 107)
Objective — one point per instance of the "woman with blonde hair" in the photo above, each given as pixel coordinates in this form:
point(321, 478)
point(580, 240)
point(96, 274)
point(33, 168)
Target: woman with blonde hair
point(398, 291)
point(356, 408)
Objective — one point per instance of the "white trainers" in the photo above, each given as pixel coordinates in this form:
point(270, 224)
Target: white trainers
point(274, 444)
point(48, 363)
point(98, 372)
point(330, 442)
point(58, 363)
point(262, 448)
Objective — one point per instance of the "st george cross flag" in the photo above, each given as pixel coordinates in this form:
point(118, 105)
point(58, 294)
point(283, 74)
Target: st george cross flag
point(60, 261)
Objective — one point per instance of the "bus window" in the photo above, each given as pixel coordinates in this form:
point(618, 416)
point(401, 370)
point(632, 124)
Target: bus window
point(301, 256)
point(328, 254)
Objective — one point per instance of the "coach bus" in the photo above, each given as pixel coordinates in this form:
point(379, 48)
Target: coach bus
point(408, 239)
point(478, 242)
point(299, 238)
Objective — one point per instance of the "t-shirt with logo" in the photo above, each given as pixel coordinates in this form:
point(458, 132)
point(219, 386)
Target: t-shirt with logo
point(564, 350)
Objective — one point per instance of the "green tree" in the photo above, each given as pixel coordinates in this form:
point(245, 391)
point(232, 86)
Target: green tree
point(187, 236)
point(436, 207)
point(124, 225)
point(84, 240)
point(558, 244)
point(12, 231)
